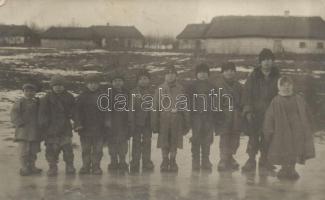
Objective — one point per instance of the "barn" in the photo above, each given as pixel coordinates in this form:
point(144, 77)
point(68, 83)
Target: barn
point(249, 34)
point(18, 35)
point(69, 37)
point(119, 37)
point(191, 38)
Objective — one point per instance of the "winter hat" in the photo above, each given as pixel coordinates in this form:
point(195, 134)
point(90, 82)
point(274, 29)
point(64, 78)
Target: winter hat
point(57, 80)
point(91, 78)
point(202, 68)
point(171, 70)
point(143, 72)
point(265, 54)
point(228, 66)
point(29, 86)
point(32, 84)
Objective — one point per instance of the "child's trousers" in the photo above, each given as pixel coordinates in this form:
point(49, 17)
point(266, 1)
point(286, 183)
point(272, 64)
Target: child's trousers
point(118, 151)
point(92, 150)
point(28, 153)
point(141, 144)
point(229, 143)
point(53, 150)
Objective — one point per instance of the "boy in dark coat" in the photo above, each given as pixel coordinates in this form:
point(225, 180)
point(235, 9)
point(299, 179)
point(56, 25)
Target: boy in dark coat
point(259, 90)
point(119, 128)
point(89, 123)
point(202, 118)
point(55, 113)
point(140, 124)
point(24, 117)
point(288, 130)
point(230, 125)
point(171, 123)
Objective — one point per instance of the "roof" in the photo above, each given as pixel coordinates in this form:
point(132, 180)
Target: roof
point(15, 30)
point(193, 31)
point(74, 33)
point(259, 26)
point(117, 31)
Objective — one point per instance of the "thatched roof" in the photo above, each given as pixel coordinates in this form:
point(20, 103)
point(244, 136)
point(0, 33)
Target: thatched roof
point(193, 31)
point(117, 32)
point(73, 33)
point(15, 30)
point(258, 26)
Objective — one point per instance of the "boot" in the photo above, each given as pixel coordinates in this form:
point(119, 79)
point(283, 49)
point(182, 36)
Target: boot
point(34, 169)
point(69, 168)
point(164, 165)
point(206, 164)
point(135, 167)
point(53, 170)
point(264, 164)
point(113, 166)
point(250, 165)
point(223, 165)
point(147, 166)
point(123, 166)
point(96, 170)
point(233, 163)
point(196, 165)
point(84, 170)
point(173, 167)
point(25, 171)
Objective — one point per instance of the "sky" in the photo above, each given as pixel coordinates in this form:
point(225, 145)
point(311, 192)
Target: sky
point(151, 17)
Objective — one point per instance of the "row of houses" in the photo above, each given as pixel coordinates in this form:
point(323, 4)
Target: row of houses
point(110, 37)
point(250, 34)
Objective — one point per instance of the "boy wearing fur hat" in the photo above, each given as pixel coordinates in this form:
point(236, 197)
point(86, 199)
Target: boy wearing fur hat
point(170, 122)
point(140, 126)
point(27, 134)
point(119, 130)
point(230, 125)
point(259, 90)
point(288, 130)
point(55, 113)
point(202, 118)
point(89, 123)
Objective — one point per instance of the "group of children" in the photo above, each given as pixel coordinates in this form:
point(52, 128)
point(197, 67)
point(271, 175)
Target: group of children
point(266, 108)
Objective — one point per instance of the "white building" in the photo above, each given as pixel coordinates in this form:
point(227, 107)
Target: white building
point(250, 34)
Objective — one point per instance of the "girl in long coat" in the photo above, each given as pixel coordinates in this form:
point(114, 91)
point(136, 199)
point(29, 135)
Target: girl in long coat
point(172, 123)
point(288, 130)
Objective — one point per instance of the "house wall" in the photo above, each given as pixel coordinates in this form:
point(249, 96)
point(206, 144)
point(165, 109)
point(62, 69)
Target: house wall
point(119, 43)
point(12, 40)
point(64, 43)
point(255, 45)
point(191, 44)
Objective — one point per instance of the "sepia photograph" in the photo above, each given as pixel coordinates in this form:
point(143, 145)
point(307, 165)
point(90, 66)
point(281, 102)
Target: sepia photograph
point(162, 99)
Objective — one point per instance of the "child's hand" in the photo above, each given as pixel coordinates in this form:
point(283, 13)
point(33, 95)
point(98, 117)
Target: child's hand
point(79, 128)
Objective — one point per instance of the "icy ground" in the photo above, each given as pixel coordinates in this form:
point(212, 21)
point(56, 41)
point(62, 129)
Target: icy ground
point(152, 186)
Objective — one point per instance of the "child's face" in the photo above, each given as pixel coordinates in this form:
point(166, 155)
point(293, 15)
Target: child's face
point(93, 86)
point(266, 65)
point(29, 93)
point(143, 81)
point(170, 77)
point(229, 74)
point(58, 89)
point(202, 76)
point(286, 89)
point(118, 83)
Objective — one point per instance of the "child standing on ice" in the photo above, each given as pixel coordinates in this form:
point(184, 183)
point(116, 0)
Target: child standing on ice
point(288, 130)
point(24, 117)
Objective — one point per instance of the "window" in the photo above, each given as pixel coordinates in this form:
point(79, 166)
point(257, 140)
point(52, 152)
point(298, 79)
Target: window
point(320, 45)
point(302, 44)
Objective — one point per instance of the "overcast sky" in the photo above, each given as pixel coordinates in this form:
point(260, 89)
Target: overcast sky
point(163, 17)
